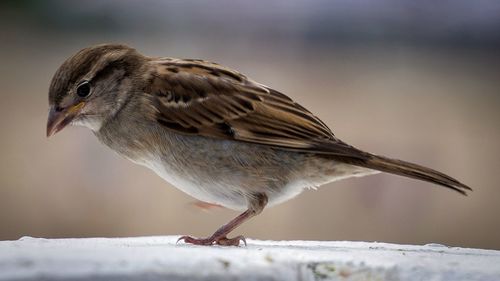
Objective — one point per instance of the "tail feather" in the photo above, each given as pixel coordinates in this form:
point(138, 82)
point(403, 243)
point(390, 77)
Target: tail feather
point(415, 171)
point(403, 168)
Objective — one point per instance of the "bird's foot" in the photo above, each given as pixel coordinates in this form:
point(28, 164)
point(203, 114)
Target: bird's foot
point(223, 241)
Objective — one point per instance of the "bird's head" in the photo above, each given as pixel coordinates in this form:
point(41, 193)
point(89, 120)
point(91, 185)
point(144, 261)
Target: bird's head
point(91, 85)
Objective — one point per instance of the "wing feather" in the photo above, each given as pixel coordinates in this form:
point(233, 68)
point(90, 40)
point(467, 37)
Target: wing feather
point(206, 99)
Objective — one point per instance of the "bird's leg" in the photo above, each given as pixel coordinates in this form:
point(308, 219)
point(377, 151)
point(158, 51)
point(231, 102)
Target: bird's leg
point(255, 206)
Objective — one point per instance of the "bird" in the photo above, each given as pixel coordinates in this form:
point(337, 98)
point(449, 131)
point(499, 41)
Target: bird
point(210, 131)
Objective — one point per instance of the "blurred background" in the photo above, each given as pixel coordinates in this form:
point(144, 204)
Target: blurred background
point(416, 80)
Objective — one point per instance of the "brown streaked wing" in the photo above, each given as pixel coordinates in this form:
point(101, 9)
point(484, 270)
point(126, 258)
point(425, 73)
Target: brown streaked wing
point(193, 97)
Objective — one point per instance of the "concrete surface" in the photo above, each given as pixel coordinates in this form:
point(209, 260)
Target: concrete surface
point(160, 258)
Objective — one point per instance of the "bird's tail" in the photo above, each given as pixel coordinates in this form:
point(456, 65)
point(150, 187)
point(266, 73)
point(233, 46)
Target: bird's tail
point(411, 170)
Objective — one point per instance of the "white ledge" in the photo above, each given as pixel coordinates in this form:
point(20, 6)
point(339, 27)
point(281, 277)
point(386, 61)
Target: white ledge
point(159, 258)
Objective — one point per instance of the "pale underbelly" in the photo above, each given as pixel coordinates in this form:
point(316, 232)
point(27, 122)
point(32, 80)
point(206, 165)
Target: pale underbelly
point(226, 192)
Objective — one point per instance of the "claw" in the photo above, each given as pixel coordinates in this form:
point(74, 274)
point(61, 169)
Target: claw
point(231, 241)
point(196, 241)
point(181, 238)
point(222, 241)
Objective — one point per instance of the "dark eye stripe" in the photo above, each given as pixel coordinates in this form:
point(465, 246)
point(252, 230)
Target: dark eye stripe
point(110, 68)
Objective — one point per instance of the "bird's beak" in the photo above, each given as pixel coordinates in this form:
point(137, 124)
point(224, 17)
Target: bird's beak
point(58, 119)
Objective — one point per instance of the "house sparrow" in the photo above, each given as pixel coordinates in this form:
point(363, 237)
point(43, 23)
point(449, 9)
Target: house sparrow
point(210, 131)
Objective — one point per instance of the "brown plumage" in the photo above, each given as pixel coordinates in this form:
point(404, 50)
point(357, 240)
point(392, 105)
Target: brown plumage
point(207, 99)
point(211, 131)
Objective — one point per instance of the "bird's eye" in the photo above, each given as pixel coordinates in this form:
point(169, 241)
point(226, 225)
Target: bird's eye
point(83, 89)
